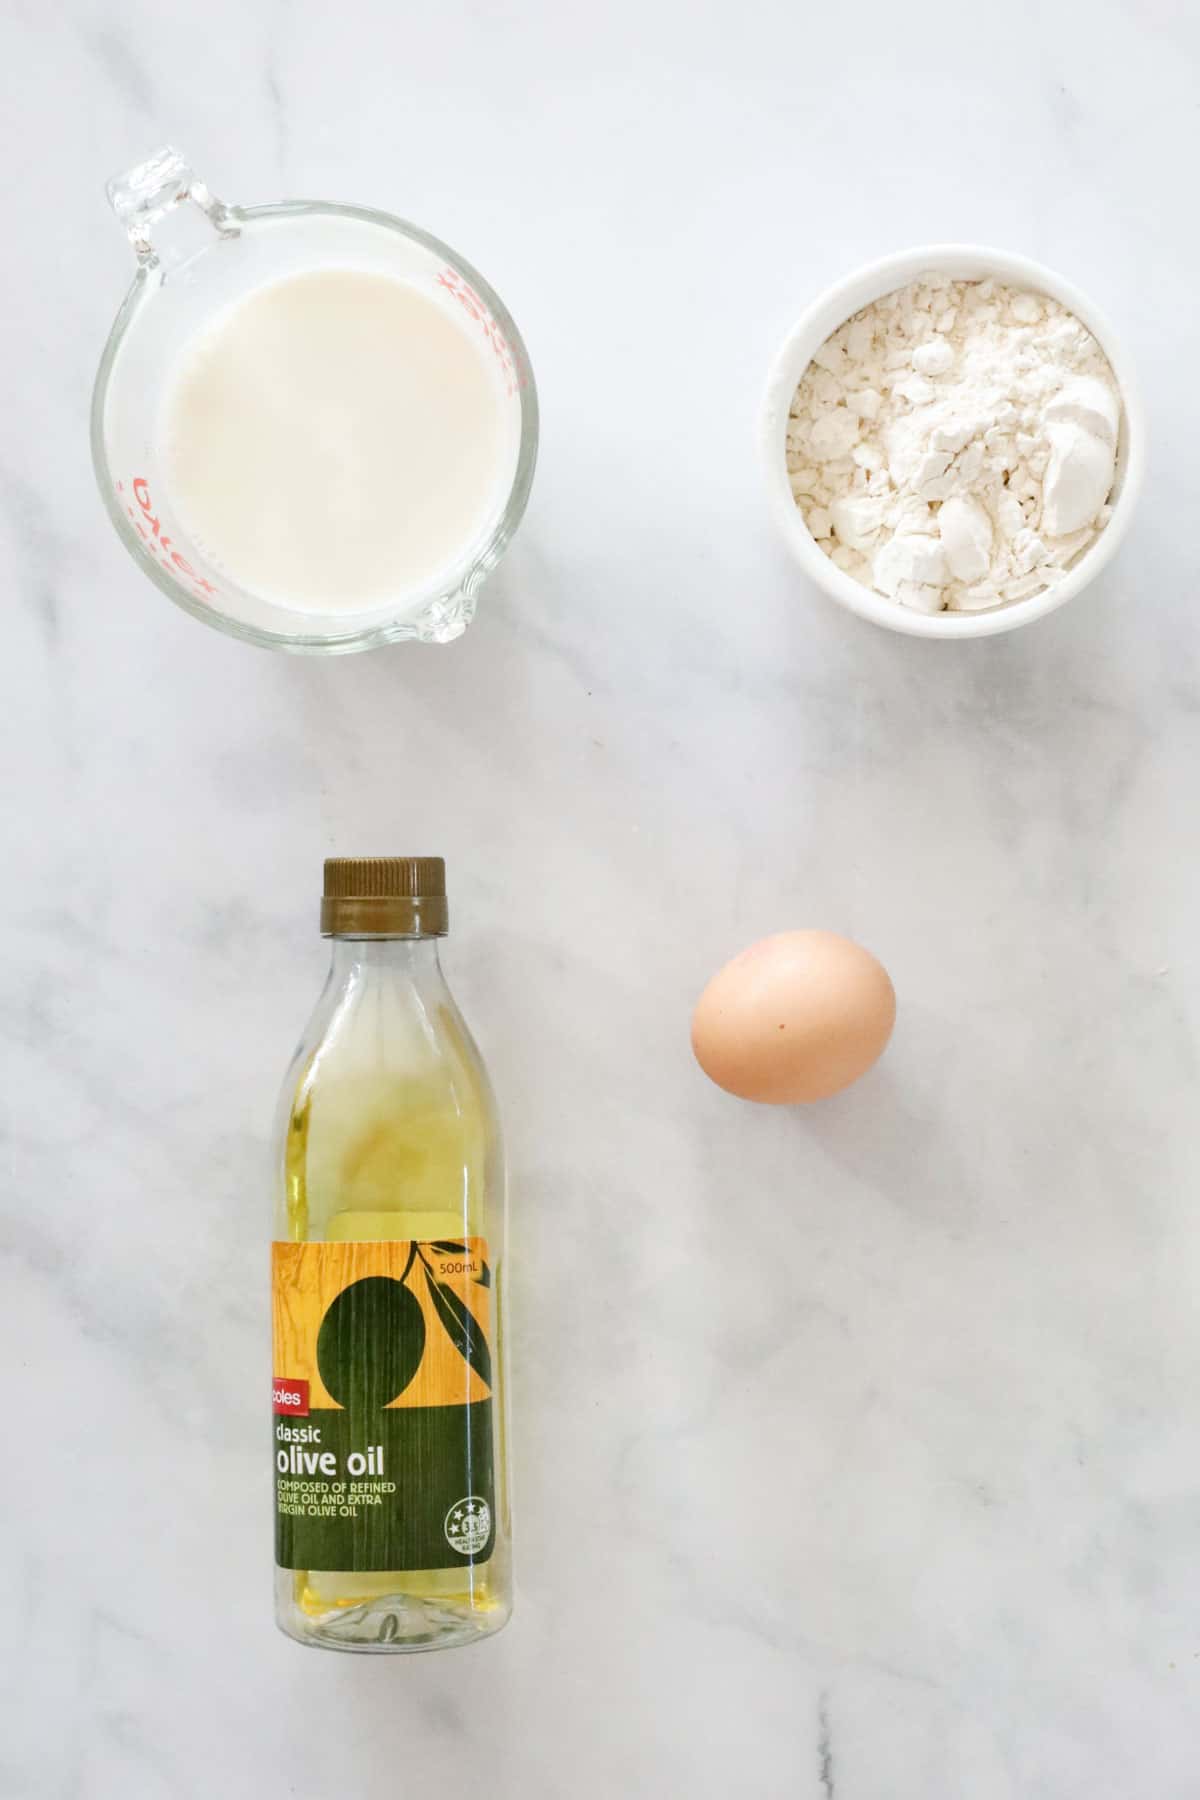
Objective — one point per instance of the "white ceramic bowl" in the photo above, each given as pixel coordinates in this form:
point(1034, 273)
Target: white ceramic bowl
point(965, 262)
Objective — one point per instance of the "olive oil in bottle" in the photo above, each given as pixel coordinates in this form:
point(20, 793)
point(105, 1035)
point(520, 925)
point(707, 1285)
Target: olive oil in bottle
point(392, 1514)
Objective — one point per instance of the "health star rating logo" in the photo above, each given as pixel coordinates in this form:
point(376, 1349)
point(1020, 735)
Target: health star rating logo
point(469, 1525)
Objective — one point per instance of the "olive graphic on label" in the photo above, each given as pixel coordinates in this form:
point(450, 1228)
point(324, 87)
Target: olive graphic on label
point(370, 1343)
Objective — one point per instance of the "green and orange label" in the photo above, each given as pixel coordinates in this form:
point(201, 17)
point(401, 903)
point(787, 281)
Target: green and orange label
point(382, 1398)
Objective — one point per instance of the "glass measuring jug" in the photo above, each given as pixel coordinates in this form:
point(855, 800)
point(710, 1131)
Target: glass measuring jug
point(198, 258)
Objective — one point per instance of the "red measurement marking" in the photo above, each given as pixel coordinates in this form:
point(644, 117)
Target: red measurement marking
point(473, 306)
point(154, 539)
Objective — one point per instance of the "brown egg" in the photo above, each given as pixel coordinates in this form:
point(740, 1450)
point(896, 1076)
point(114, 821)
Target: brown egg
point(797, 1016)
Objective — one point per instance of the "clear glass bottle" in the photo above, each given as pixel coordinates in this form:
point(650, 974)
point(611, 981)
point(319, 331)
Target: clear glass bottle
point(393, 1529)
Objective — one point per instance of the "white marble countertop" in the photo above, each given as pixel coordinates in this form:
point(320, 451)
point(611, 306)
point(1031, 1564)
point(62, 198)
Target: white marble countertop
point(856, 1447)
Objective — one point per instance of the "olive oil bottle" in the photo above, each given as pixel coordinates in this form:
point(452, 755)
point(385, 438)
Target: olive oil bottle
point(392, 1514)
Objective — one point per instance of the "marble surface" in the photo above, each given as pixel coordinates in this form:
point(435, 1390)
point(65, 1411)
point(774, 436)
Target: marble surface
point(856, 1447)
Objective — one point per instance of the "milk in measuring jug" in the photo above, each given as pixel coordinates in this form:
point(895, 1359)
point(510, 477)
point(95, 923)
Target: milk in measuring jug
point(337, 440)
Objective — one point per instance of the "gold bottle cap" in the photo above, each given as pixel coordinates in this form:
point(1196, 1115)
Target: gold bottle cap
point(384, 896)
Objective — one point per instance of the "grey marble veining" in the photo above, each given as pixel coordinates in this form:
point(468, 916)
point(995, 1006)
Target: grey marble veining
point(856, 1447)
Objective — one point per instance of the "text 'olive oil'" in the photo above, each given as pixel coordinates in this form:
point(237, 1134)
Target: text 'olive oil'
point(391, 1502)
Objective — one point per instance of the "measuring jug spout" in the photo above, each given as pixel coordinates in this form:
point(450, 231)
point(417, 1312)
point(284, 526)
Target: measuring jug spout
point(144, 195)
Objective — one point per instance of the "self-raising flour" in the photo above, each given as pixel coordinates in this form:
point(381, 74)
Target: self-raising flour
point(953, 445)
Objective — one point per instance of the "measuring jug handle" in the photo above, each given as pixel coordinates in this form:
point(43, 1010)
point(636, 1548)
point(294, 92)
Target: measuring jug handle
point(149, 191)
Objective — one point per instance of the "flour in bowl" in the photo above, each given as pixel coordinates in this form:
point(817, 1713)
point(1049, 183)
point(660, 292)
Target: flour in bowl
point(953, 445)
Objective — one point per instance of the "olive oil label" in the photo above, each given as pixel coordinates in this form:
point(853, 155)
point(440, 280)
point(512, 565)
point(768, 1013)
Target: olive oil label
point(382, 1405)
